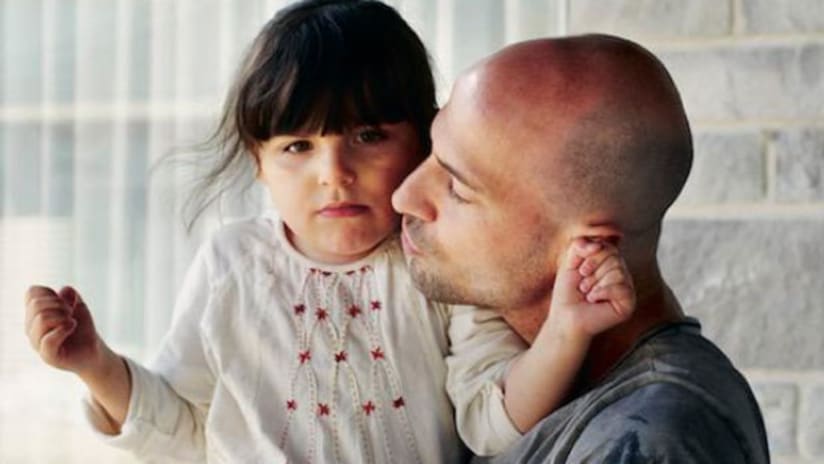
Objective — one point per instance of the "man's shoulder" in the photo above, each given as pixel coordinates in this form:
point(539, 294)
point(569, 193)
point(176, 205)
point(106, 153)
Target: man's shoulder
point(648, 418)
point(678, 393)
point(679, 358)
point(675, 398)
point(662, 421)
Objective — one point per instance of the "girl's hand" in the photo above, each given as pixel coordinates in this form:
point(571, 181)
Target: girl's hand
point(60, 328)
point(593, 290)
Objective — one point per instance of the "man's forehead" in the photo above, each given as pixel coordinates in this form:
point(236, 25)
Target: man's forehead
point(507, 155)
point(453, 145)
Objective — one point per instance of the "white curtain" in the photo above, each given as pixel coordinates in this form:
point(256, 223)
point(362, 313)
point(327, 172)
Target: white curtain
point(93, 94)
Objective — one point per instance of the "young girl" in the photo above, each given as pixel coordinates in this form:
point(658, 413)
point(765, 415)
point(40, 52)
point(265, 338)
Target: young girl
point(298, 335)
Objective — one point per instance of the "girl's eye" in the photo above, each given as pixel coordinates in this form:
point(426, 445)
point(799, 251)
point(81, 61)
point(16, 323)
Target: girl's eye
point(370, 135)
point(454, 195)
point(298, 147)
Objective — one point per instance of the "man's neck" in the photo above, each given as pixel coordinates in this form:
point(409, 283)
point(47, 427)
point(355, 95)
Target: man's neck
point(526, 322)
point(656, 309)
point(656, 306)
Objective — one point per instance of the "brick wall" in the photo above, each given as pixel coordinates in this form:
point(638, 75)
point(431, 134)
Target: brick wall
point(744, 245)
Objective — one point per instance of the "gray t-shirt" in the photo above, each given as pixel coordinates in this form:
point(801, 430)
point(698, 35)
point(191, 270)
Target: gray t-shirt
point(675, 398)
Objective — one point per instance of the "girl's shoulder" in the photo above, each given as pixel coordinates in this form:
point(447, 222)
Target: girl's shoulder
point(238, 242)
point(251, 230)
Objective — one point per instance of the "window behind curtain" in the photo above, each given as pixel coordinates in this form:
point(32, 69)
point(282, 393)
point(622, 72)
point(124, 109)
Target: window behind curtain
point(92, 94)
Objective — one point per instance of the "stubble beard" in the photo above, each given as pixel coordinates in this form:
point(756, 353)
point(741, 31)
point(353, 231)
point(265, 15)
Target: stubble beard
point(435, 287)
point(521, 281)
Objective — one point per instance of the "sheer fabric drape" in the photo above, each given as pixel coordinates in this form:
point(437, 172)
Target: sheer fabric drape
point(92, 94)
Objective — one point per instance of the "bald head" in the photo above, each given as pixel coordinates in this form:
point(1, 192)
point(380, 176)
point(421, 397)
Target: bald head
point(597, 123)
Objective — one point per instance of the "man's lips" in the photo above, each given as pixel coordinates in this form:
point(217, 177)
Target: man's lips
point(407, 243)
point(341, 210)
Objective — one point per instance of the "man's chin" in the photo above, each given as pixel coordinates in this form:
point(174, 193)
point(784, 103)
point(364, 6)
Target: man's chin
point(434, 287)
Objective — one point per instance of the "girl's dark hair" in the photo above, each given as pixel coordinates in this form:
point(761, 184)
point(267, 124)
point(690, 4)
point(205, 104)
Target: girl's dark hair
point(318, 66)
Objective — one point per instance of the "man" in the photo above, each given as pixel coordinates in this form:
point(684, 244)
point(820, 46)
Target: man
point(541, 144)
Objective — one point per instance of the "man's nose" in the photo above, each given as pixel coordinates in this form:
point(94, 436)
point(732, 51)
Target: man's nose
point(411, 196)
point(335, 166)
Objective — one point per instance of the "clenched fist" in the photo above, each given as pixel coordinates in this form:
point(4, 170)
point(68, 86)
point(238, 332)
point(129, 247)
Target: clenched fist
point(60, 328)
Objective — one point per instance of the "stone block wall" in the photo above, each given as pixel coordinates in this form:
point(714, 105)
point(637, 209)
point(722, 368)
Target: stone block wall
point(744, 245)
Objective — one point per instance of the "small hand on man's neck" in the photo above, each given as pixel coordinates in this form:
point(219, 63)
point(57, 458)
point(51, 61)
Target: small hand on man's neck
point(656, 306)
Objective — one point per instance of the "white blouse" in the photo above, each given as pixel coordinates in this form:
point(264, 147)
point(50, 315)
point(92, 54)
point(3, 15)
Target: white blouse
point(274, 358)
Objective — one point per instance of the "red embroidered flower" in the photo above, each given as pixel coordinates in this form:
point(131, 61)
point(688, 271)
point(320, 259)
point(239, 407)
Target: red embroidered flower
point(376, 305)
point(291, 405)
point(349, 273)
point(340, 356)
point(377, 353)
point(354, 310)
point(326, 273)
point(300, 309)
point(323, 409)
point(368, 407)
point(398, 402)
point(321, 314)
point(304, 356)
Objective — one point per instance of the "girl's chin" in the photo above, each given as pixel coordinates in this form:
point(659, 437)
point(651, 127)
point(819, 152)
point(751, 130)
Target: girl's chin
point(338, 246)
point(351, 251)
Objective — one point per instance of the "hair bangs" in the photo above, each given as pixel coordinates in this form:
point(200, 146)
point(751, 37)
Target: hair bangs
point(323, 84)
point(327, 102)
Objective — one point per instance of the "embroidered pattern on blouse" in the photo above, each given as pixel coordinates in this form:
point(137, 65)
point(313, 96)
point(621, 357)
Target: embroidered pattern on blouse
point(337, 302)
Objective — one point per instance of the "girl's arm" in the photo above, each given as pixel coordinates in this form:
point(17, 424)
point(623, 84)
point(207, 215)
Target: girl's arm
point(482, 346)
point(593, 292)
point(158, 413)
point(110, 386)
point(60, 328)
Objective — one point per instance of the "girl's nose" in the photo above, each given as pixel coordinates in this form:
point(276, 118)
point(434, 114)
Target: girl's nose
point(336, 169)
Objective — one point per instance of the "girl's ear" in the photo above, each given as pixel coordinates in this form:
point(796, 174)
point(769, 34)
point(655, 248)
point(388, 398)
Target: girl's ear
point(254, 152)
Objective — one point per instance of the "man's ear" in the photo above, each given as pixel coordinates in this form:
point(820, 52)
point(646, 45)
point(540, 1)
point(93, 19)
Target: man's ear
point(600, 232)
point(605, 232)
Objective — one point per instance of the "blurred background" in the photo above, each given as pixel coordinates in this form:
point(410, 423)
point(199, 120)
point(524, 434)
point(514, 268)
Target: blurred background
point(94, 92)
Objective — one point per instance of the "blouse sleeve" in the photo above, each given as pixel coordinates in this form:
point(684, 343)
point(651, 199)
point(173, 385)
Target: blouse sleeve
point(482, 345)
point(170, 399)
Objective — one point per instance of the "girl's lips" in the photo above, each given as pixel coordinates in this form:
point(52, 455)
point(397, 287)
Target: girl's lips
point(343, 210)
